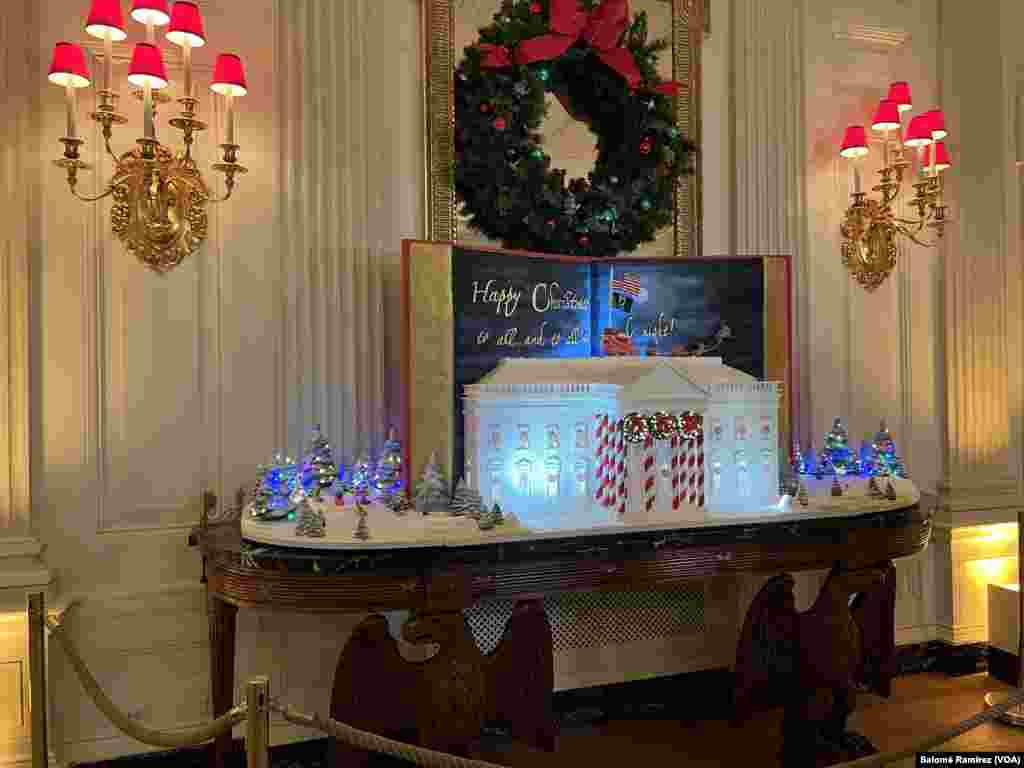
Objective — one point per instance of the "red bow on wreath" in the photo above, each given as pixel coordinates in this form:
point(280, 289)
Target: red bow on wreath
point(602, 28)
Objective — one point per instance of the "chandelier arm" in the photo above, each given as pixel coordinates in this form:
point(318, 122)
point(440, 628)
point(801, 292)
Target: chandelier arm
point(912, 236)
point(227, 195)
point(113, 155)
point(87, 199)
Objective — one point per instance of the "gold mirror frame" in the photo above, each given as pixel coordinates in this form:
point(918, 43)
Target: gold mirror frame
point(689, 25)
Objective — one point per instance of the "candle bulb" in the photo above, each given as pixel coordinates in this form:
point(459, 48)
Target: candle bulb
point(69, 98)
point(108, 60)
point(186, 53)
point(149, 130)
point(229, 137)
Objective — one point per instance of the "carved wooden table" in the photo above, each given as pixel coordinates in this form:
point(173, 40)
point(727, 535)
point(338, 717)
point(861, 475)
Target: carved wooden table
point(844, 642)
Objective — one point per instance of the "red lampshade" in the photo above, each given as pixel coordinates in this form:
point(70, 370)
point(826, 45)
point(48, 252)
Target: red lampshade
point(900, 93)
point(855, 142)
point(186, 24)
point(919, 134)
point(68, 67)
point(887, 116)
point(105, 17)
point(150, 12)
point(942, 161)
point(228, 76)
point(937, 121)
point(147, 67)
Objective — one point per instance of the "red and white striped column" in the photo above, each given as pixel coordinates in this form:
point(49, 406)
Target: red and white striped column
point(695, 471)
point(601, 458)
point(675, 471)
point(621, 471)
point(649, 474)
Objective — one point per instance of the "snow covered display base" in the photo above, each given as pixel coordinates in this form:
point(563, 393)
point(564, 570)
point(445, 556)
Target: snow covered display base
point(569, 442)
point(386, 529)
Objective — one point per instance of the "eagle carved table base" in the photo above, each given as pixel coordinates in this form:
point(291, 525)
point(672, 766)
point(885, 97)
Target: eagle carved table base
point(448, 698)
point(813, 663)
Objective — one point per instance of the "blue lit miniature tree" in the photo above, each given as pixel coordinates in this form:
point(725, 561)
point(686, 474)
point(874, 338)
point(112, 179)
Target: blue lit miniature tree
point(836, 456)
point(886, 462)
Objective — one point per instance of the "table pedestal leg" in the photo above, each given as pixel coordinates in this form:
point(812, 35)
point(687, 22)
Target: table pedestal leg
point(447, 699)
point(813, 662)
point(221, 617)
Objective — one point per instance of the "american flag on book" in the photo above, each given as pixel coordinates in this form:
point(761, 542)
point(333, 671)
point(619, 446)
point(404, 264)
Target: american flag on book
point(615, 342)
point(628, 283)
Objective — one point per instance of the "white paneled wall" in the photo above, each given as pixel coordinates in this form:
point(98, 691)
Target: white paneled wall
point(145, 390)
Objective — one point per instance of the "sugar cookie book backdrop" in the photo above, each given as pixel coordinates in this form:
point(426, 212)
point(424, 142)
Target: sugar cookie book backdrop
point(467, 307)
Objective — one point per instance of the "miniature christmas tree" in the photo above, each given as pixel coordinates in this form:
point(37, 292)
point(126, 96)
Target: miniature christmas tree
point(836, 456)
point(319, 470)
point(277, 484)
point(866, 458)
point(496, 513)
point(487, 520)
point(311, 522)
point(361, 475)
point(810, 460)
point(884, 457)
point(837, 489)
point(801, 495)
point(465, 501)
point(362, 532)
point(874, 489)
point(432, 492)
point(399, 502)
point(890, 491)
point(388, 474)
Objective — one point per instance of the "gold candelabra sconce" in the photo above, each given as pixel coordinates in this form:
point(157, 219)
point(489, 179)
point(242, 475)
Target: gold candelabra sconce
point(160, 198)
point(871, 227)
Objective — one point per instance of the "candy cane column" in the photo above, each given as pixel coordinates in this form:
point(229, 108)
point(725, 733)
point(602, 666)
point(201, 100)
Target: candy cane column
point(695, 471)
point(600, 457)
point(676, 472)
point(621, 460)
point(649, 474)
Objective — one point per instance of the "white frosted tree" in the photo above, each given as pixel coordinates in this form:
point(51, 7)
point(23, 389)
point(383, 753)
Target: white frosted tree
point(465, 501)
point(432, 491)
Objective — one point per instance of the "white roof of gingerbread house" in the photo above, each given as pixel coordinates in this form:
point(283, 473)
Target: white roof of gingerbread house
point(702, 377)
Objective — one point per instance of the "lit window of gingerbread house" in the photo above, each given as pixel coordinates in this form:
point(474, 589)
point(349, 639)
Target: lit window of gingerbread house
point(652, 437)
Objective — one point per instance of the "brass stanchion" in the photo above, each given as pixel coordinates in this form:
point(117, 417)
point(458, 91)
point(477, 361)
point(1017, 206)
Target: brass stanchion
point(37, 675)
point(257, 728)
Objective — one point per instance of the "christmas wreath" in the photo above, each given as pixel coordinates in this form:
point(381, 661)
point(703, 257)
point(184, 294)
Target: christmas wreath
point(603, 70)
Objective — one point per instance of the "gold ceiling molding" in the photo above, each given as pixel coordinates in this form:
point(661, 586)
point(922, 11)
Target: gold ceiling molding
point(875, 36)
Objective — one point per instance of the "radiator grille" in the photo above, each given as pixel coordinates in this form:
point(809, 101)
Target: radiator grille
point(593, 619)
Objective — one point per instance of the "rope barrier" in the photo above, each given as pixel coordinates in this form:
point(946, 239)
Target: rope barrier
point(371, 742)
point(428, 758)
point(184, 738)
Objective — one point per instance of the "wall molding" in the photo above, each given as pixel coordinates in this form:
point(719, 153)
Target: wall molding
point(872, 36)
point(105, 325)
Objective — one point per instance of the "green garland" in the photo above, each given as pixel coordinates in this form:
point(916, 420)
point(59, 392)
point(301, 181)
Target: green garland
point(502, 174)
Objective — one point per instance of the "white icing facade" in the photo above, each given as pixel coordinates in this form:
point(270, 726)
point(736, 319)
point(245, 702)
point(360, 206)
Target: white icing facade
point(533, 438)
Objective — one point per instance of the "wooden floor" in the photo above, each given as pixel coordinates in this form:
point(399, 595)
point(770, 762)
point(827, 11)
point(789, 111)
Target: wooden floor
point(921, 705)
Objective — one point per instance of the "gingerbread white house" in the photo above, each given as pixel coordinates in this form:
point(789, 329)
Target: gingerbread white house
point(567, 441)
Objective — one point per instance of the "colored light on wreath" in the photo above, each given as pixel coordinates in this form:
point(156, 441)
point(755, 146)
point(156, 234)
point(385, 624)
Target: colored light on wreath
point(635, 428)
point(662, 425)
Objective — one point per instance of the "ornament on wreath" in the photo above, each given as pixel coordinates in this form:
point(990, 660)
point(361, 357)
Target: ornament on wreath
point(662, 425)
point(691, 425)
point(602, 67)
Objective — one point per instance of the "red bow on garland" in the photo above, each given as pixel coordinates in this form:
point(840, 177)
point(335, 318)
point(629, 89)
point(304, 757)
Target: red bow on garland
point(602, 28)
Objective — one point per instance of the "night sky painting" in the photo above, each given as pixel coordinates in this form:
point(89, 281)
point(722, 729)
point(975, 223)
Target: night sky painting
point(509, 305)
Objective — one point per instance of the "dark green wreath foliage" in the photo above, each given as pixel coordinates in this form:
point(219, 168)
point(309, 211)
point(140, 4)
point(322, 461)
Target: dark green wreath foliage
point(504, 178)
